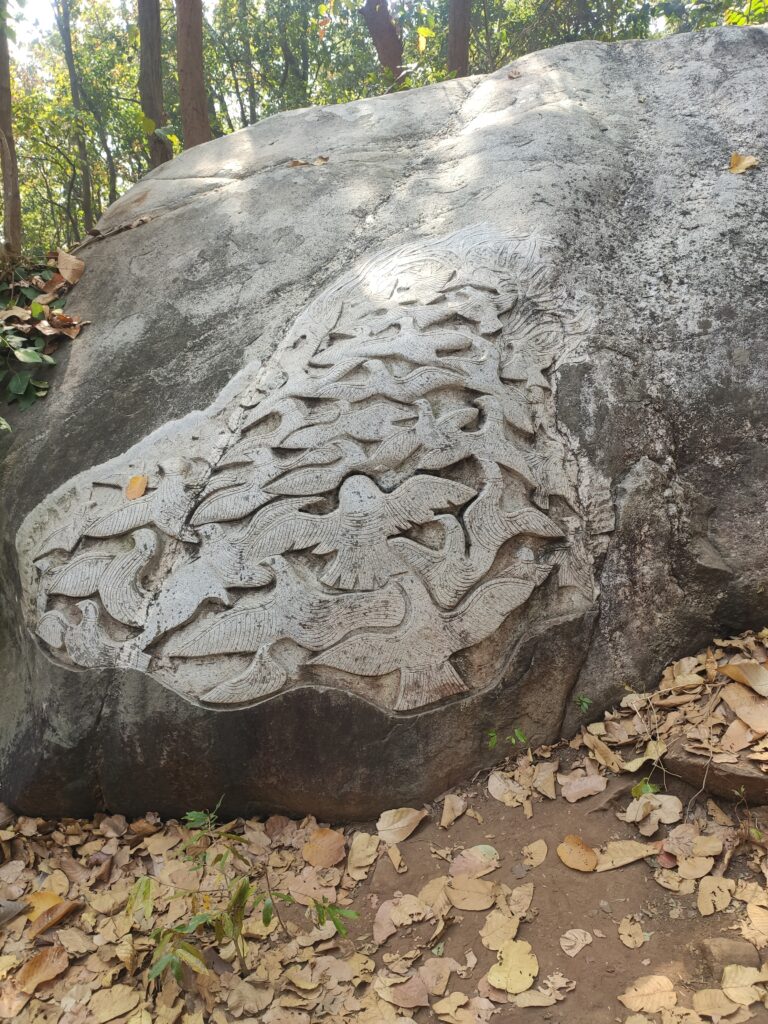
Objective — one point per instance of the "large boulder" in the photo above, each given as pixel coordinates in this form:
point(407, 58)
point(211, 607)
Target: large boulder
point(484, 430)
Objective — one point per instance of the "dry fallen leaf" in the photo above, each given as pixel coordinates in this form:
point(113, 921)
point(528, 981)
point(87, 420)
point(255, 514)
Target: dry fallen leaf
point(470, 893)
point(574, 940)
point(554, 988)
point(396, 825)
point(40, 902)
point(70, 267)
point(740, 163)
point(136, 487)
point(453, 807)
point(712, 1002)
point(650, 994)
point(620, 852)
point(325, 848)
point(535, 853)
point(740, 984)
point(575, 854)
point(631, 932)
point(694, 867)
point(516, 969)
point(112, 1002)
point(52, 916)
point(714, 894)
point(520, 899)
point(577, 786)
point(363, 851)
point(44, 966)
point(475, 862)
point(498, 929)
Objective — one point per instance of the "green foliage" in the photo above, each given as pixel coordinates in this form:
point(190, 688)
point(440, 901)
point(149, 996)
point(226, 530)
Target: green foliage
point(326, 911)
point(582, 702)
point(643, 788)
point(262, 57)
point(516, 736)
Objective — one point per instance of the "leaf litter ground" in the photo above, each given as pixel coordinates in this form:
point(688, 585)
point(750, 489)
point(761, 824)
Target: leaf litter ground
point(578, 883)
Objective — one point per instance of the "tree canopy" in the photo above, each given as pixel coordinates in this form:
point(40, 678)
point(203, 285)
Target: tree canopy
point(83, 136)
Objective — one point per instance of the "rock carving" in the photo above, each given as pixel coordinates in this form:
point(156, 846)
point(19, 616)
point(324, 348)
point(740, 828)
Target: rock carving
point(376, 502)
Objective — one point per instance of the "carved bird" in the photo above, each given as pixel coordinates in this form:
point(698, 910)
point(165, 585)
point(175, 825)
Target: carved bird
point(420, 647)
point(482, 369)
point(296, 609)
point(372, 421)
point(116, 578)
point(87, 644)
point(293, 414)
point(220, 566)
point(489, 443)
point(377, 382)
point(237, 491)
point(416, 346)
point(357, 530)
point(167, 507)
point(321, 469)
point(441, 438)
point(533, 337)
point(451, 571)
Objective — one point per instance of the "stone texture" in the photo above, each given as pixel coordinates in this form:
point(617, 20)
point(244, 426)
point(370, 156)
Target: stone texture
point(731, 781)
point(498, 438)
point(719, 952)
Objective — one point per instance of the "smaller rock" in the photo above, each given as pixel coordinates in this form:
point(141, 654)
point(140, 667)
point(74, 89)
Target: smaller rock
point(720, 952)
point(724, 780)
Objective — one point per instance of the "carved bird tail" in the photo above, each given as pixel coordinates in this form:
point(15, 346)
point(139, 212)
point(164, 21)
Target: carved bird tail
point(262, 677)
point(425, 686)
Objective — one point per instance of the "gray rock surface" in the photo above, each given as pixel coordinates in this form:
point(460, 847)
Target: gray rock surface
point(439, 433)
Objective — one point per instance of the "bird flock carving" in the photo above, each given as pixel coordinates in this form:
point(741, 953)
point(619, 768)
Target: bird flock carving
point(390, 492)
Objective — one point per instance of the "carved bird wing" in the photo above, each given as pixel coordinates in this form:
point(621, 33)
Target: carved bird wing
point(481, 614)
point(366, 654)
point(324, 470)
point(489, 525)
point(262, 677)
point(131, 515)
point(427, 378)
point(284, 527)
point(51, 627)
point(121, 592)
point(237, 632)
point(230, 503)
point(415, 501)
point(77, 578)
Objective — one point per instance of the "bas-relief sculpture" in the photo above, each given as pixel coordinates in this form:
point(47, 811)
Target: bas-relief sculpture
point(390, 490)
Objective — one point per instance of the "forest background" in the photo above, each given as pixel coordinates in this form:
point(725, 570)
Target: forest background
point(93, 93)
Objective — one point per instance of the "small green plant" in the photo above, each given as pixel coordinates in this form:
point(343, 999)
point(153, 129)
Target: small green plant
point(643, 788)
point(182, 943)
point(582, 702)
point(516, 736)
point(325, 911)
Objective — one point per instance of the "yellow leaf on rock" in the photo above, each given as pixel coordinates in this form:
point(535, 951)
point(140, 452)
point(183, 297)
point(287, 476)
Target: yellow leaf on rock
point(70, 267)
point(395, 826)
point(516, 969)
point(650, 994)
point(136, 487)
point(575, 854)
point(740, 163)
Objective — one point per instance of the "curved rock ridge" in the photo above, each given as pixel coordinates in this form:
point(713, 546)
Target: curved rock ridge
point(388, 492)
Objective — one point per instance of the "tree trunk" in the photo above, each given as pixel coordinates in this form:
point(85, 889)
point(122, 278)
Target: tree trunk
point(242, 13)
point(11, 197)
point(189, 57)
point(62, 12)
point(386, 38)
point(151, 79)
point(459, 21)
